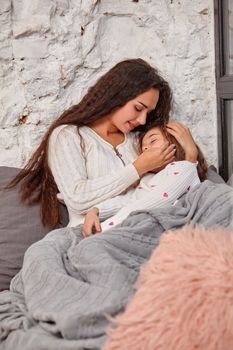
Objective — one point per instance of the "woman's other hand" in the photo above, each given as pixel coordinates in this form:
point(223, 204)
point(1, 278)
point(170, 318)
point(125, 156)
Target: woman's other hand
point(185, 139)
point(154, 158)
point(91, 222)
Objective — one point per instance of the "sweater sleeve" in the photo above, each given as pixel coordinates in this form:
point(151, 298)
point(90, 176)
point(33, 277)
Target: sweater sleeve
point(67, 164)
point(177, 178)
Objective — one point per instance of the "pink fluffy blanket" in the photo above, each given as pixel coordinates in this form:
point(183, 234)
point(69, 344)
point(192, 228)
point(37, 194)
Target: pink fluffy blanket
point(184, 299)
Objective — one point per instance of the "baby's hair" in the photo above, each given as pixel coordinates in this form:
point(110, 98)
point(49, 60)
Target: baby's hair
point(202, 165)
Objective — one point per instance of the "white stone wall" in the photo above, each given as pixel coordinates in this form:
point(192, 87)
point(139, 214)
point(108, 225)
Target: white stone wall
point(52, 50)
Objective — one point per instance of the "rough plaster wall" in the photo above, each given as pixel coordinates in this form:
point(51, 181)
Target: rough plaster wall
point(51, 51)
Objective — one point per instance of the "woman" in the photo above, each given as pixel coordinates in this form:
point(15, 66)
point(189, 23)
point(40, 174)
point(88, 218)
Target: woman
point(89, 156)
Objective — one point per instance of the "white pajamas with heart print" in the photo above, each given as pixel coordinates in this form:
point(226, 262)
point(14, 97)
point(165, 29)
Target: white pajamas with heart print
point(158, 190)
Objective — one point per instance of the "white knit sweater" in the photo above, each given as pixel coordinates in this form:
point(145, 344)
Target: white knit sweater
point(95, 175)
point(102, 176)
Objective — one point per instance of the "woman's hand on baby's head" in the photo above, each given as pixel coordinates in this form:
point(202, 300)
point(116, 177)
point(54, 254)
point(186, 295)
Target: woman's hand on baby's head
point(91, 223)
point(155, 158)
point(185, 139)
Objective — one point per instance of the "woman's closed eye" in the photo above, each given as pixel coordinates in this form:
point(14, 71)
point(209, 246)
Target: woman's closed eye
point(138, 109)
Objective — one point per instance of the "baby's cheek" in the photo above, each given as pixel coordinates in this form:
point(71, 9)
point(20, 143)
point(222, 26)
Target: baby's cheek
point(154, 145)
point(157, 144)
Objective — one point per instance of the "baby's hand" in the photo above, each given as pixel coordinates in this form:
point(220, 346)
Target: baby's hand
point(91, 222)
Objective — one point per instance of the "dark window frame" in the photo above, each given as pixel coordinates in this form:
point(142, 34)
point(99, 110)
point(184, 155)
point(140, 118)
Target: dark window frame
point(224, 84)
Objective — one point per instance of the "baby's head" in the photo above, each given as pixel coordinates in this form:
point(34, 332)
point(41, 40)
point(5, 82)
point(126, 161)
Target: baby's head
point(157, 136)
point(154, 137)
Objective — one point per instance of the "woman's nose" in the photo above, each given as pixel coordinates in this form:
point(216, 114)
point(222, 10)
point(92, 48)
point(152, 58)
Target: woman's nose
point(141, 119)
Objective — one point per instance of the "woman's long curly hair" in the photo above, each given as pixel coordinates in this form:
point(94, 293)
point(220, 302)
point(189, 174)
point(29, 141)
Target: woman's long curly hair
point(202, 165)
point(122, 83)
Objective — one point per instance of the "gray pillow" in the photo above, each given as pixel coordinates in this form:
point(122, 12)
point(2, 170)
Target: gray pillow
point(230, 181)
point(20, 226)
point(213, 176)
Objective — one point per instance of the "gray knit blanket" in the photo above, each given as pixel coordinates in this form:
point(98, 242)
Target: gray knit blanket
point(69, 287)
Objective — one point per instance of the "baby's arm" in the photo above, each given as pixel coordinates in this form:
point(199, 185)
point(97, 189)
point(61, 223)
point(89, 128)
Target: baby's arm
point(176, 179)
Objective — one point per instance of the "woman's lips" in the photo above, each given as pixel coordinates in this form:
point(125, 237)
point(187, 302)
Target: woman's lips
point(131, 126)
